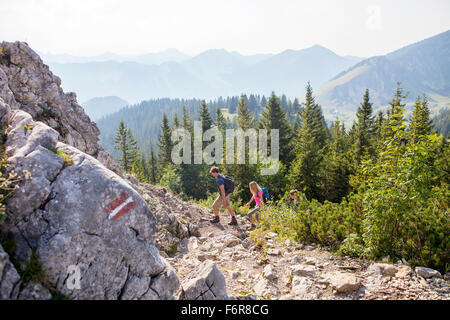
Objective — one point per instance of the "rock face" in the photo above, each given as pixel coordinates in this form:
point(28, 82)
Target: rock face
point(9, 278)
point(208, 283)
point(81, 215)
point(26, 83)
point(90, 229)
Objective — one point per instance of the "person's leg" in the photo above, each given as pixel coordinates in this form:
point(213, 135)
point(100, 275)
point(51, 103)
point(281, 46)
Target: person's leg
point(216, 205)
point(250, 216)
point(230, 211)
point(228, 206)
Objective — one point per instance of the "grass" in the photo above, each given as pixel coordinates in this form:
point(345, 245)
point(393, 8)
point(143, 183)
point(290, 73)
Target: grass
point(171, 250)
point(67, 159)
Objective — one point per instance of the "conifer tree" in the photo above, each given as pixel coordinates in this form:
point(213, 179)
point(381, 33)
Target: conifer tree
point(221, 122)
point(421, 124)
point(309, 149)
point(165, 142)
point(127, 145)
point(274, 117)
point(364, 129)
point(176, 122)
point(153, 167)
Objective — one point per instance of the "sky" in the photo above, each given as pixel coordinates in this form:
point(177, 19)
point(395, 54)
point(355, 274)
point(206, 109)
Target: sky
point(348, 27)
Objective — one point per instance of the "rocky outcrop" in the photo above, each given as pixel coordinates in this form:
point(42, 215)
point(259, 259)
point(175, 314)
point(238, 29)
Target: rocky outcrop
point(75, 214)
point(26, 83)
point(9, 278)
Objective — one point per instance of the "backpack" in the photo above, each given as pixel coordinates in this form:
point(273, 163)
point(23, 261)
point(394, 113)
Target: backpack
point(266, 195)
point(228, 184)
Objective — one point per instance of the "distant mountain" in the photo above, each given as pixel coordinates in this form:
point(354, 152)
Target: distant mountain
point(102, 106)
point(290, 70)
point(208, 75)
point(423, 67)
point(169, 55)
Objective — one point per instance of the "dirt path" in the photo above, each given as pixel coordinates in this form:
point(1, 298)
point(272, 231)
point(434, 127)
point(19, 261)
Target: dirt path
point(275, 270)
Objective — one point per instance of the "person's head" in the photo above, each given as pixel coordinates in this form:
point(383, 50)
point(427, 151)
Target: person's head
point(254, 187)
point(293, 194)
point(214, 171)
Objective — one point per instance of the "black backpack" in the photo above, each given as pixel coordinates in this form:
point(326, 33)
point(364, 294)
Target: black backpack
point(229, 184)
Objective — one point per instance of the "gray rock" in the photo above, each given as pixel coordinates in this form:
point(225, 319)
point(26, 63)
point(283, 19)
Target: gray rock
point(384, 269)
point(83, 216)
point(206, 283)
point(34, 291)
point(26, 83)
point(428, 272)
point(344, 282)
point(304, 270)
point(269, 272)
point(9, 278)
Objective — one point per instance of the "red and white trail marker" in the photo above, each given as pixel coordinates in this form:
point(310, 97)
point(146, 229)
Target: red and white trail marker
point(119, 206)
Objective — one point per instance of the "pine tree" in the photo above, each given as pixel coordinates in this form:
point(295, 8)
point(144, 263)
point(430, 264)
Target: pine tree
point(153, 167)
point(421, 124)
point(309, 148)
point(274, 117)
point(205, 117)
point(176, 122)
point(165, 142)
point(336, 167)
point(127, 145)
point(243, 174)
point(364, 129)
point(221, 122)
point(245, 119)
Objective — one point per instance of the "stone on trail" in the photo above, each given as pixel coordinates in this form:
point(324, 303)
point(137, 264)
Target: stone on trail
point(428, 272)
point(206, 283)
point(384, 269)
point(344, 282)
point(303, 270)
point(269, 272)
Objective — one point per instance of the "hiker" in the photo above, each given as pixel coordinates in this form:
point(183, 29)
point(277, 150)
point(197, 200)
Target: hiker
point(293, 194)
point(257, 192)
point(225, 185)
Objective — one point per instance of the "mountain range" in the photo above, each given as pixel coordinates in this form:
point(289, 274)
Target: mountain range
point(208, 75)
point(338, 81)
point(422, 68)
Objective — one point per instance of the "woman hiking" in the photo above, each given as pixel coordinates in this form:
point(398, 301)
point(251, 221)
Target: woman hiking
point(255, 189)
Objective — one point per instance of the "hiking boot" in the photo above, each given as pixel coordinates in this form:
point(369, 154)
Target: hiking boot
point(233, 221)
point(215, 220)
point(253, 227)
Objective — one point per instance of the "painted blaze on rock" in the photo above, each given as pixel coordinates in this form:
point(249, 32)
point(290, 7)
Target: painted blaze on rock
point(120, 206)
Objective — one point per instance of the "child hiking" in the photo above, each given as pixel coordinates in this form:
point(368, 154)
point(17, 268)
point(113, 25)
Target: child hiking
point(257, 192)
point(225, 185)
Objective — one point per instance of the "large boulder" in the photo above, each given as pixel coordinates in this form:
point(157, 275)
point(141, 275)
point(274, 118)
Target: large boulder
point(85, 223)
point(207, 283)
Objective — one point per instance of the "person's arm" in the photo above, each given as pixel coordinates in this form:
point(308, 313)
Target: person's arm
point(222, 192)
point(249, 203)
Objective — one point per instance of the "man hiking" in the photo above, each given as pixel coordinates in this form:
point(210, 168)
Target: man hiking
point(225, 185)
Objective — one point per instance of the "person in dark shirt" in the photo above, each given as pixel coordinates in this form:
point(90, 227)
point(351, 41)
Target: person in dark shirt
point(223, 199)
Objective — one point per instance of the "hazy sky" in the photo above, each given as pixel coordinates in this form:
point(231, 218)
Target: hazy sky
point(348, 27)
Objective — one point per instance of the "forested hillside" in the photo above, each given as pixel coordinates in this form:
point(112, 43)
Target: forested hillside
point(144, 119)
point(376, 189)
